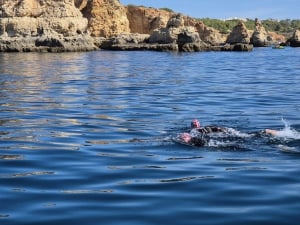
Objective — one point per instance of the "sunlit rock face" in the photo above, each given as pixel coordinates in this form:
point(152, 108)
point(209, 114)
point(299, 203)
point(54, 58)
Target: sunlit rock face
point(106, 18)
point(295, 40)
point(260, 36)
point(43, 25)
point(239, 34)
point(144, 20)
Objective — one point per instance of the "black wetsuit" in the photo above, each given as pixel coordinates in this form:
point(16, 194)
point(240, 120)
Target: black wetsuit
point(198, 141)
point(211, 129)
point(202, 138)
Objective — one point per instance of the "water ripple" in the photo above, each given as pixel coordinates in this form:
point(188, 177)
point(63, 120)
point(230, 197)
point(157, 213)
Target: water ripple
point(26, 174)
point(88, 137)
point(11, 157)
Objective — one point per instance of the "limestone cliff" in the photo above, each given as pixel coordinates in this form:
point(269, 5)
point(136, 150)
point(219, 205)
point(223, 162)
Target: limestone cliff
point(106, 18)
point(239, 34)
point(277, 38)
point(207, 34)
point(260, 36)
point(67, 25)
point(176, 36)
point(42, 25)
point(81, 4)
point(144, 20)
point(177, 32)
point(295, 39)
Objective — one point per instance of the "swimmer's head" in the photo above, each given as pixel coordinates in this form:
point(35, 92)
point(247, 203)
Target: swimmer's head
point(185, 137)
point(195, 124)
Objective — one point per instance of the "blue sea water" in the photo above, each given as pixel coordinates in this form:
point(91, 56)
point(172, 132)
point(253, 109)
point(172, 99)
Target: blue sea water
point(87, 138)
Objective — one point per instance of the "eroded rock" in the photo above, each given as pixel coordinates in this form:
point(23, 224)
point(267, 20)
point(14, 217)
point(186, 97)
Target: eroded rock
point(41, 25)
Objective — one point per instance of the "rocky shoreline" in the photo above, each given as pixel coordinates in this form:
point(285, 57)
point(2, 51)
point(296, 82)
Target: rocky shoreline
point(85, 25)
point(174, 47)
point(185, 46)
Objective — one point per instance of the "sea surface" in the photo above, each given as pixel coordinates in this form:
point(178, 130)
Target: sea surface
point(90, 138)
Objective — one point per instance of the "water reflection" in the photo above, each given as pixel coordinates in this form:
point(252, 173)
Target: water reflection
point(185, 158)
point(87, 191)
point(26, 174)
point(4, 215)
point(245, 168)
point(39, 94)
point(11, 157)
point(101, 127)
point(36, 64)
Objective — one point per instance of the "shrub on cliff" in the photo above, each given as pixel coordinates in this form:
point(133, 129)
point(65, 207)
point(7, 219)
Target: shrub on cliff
point(226, 26)
point(167, 9)
point(279, 26)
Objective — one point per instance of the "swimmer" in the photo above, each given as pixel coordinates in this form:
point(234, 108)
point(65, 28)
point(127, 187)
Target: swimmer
point(198, 134)
point(195, 125)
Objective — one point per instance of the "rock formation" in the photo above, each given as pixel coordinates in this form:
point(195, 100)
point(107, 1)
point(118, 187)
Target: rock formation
point(106, 18)
point(76, 25)
point(260, 36)
point(239, 34)
point(133, 42)
point(175, 32)
point(188, 40)
point(276, 38)
point(169, 34)
point(41, 25)
point(295, 40)
point(208, 34)
point(144, 20)
point(176, 36)
point(81, 4)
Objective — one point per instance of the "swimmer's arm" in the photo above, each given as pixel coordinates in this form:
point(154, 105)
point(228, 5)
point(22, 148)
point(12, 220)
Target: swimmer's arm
point(218, 129)
point(211, 129)
point(272, 132)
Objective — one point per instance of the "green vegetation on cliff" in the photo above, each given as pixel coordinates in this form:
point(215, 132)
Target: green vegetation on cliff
point(167, 9)
point(226, 26)
point(279, 26)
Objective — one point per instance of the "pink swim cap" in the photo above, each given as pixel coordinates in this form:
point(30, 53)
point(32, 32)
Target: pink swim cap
point(195, 124)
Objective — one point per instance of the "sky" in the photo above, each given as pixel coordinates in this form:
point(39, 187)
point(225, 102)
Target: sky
point(224, 9)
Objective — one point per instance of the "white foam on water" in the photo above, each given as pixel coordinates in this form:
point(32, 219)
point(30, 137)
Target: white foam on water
point(216, 143)
point(235, 133)
point(287, 132)
point(221, 144)
point(287, 148)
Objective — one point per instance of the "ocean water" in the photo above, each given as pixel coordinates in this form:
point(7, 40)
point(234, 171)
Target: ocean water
point(88, 138)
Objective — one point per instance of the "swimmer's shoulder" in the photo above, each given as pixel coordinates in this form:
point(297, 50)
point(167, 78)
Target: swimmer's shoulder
point(212, 129)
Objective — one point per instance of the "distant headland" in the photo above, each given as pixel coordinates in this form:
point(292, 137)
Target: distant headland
point(84, 25)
